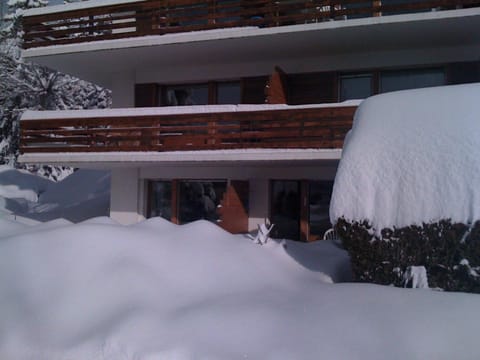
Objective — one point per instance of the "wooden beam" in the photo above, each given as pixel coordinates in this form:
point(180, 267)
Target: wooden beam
point(276, 90)
point(304, 211)
point(175, 198)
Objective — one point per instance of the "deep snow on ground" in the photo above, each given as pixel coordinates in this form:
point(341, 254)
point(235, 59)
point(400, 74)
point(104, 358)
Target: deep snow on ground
point(412, 157)
point(97, 290)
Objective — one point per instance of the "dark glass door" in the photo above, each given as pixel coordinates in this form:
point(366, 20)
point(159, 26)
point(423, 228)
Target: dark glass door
point(285, 209)
point(319, 196)
point(200, 200)
point(160, 199)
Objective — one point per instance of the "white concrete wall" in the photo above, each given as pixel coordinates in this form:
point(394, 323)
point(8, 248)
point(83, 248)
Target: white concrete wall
point(123, 89)
point(125, 204)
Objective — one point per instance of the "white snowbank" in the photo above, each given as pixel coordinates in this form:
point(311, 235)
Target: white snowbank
point(412, 157)
point(156, 290)
point(21, 184)
point(151, 291)
point(81, 195)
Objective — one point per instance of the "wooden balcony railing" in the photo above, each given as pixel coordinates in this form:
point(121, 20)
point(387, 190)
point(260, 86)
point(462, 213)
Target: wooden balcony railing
point(156, 17)
point(323, 127)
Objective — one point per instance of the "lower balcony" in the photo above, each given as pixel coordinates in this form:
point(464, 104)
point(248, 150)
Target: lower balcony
point(187, 128)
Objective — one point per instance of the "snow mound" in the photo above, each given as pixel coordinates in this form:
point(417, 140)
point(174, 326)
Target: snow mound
point(412, 157)
point(82, 195)
point(160, 291)
point(18, 184)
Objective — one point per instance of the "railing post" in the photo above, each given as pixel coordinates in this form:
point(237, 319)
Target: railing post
point(212, 10)
point(376, 5)
point(212, 132)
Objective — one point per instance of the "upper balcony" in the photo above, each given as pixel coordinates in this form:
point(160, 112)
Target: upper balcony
point(234, 132)
point(197, 40)
point(108, 20)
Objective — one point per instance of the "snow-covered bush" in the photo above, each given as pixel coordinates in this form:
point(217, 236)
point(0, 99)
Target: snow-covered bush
point(407, 191)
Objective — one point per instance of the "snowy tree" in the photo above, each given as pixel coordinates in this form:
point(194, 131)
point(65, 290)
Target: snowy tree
point(25, 86)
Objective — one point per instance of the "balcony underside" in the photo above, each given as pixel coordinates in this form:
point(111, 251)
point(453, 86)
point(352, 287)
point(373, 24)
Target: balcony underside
point(141, 130)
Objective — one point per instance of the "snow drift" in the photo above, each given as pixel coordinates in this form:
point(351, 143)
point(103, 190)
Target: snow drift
point(412, 157)
point(80, 196)
point(155, 290)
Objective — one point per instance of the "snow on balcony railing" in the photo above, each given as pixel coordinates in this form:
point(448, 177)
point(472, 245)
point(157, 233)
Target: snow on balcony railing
point(192, 128)
point(103, 20)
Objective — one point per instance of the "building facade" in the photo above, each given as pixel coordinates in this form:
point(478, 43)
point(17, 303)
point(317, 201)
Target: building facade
point(234, 111)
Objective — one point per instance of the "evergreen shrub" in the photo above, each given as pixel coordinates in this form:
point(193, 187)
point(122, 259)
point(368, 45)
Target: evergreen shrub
point(450, 252)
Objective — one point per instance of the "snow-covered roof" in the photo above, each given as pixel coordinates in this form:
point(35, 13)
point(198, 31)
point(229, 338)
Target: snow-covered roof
point(412, 157)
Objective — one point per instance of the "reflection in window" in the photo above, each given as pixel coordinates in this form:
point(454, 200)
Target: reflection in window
point(228, 93)
point(285, 209)
point(200, 200)
point(160, 199)
point(411, 79)
point(396, 4)
point(355, 86)
point(320, 193)
point(186, 95)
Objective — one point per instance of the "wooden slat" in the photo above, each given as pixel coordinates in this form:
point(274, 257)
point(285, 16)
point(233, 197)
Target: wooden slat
point(292, 128)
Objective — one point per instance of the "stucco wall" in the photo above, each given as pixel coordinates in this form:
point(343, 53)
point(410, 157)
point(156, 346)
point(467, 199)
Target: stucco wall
point(124, 196)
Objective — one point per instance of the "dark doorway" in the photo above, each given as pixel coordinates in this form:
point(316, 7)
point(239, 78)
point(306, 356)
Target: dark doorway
point(285, 209)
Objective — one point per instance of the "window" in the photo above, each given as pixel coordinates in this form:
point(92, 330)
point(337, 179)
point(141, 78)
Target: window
point(411, 79)
point(355, 86)
point(285, 209)
point(229, 93)
point(202, 94)
point(200, 200)
point(160, 199)
point(179, 95)
point(363, 85)
point(320, 193)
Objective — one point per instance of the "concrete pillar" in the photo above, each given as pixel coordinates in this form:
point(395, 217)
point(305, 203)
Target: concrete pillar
point(125, 196)
point(123, 90)
point(258, 202)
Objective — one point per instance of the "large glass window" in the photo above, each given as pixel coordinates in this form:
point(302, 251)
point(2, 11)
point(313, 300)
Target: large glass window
point(186, 95)
point(411, 79)
point(200, 200)
point(320, 193)
point(200, 94)
point(229, 93)
point(285, 209)
point(355, 86)
point(160, 199)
